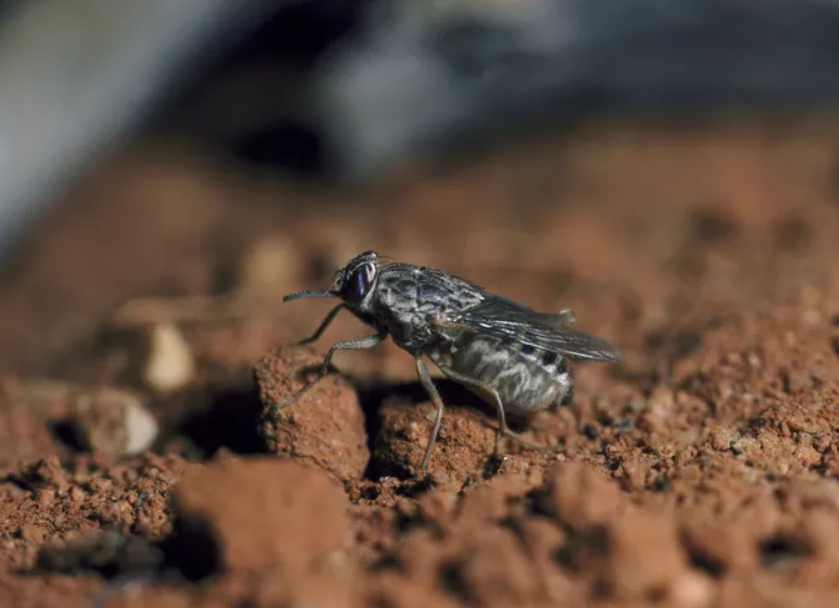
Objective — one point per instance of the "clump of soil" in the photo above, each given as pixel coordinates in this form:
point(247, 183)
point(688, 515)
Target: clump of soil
point(48, 502)
point(273, 513)
point(701, 472)
point(324, 427)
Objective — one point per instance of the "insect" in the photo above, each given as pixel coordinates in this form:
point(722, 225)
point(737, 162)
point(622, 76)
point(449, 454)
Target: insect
point(512, 356)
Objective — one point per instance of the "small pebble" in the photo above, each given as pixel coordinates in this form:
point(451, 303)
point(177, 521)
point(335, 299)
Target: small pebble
point(171, 364)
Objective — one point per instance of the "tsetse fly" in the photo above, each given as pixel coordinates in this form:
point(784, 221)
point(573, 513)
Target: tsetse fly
point(512, 356)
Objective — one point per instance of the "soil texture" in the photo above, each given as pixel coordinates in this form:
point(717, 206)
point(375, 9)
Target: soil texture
point(146, 348)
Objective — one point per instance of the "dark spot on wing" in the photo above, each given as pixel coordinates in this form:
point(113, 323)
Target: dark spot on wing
point(507, 340)
point(527, 349)
point(549, 358)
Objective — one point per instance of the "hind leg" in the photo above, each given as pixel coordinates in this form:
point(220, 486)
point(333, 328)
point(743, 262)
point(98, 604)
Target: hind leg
point(499, 405)
point(568, 398)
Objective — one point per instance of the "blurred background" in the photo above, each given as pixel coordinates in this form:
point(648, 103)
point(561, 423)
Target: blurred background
point(173, 169)
point(669, 169)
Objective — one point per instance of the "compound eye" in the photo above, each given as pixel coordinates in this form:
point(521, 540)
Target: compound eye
point(358, 284)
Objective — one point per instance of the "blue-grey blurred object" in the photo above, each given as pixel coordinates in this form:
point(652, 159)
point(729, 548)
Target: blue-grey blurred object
point(76, 75)
point(414, 78)
point(425, 75)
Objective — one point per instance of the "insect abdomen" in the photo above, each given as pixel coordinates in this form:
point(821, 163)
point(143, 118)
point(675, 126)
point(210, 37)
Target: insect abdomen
point(526, 379)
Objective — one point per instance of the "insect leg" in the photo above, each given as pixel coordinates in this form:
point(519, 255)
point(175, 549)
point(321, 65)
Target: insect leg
point(323, 325)
point(568, 399)
point(499, 405)
point(357, 344)
point(428, 384)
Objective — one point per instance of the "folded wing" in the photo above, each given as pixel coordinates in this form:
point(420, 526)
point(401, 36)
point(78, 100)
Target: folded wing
point(506, 320)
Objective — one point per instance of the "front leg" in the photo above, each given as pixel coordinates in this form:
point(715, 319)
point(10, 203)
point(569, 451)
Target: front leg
point(364, 343)
point(323, 325)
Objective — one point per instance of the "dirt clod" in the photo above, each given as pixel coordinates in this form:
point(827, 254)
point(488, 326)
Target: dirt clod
point(264, 514)
point(635, 556)
point(580, 496)
point(405, 430)
point(324, 427)
point(50, 503)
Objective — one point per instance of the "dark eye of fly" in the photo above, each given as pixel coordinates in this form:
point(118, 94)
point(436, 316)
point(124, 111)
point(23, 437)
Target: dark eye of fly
point(358, 284)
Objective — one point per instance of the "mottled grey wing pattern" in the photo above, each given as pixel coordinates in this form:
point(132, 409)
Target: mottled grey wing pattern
point(507, 320)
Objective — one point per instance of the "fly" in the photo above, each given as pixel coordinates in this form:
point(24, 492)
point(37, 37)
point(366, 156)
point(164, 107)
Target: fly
point(512, 356)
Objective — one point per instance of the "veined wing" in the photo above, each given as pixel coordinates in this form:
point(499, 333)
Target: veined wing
point(507, 311)
point(506, 320)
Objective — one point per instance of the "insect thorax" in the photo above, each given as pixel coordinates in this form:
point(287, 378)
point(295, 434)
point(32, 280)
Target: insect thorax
point(409, 298)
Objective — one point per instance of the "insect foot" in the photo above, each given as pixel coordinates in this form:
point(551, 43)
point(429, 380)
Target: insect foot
point(326, 429)
point(514, 357)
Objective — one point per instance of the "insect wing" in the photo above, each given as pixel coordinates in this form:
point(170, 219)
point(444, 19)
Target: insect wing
point(506, 320)
point(506, 311)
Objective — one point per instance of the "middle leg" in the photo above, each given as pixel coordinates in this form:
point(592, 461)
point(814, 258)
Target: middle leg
point(428, 384)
